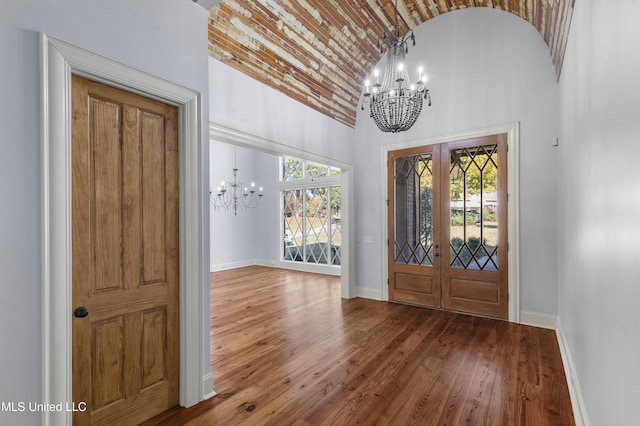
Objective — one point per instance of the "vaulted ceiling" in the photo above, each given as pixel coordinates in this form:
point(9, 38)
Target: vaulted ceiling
point(319, 51)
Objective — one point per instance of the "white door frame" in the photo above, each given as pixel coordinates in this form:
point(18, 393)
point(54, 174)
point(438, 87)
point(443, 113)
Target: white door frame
point(513, 196)
point(58, 61)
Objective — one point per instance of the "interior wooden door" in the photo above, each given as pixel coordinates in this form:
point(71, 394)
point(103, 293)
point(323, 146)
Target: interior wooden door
point(448, 226)
point(125, 255)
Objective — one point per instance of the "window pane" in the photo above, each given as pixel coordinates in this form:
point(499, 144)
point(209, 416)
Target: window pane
point(317, 231)
point(291, 169)
point(335, 224)
point(474, 220)
point(316, 170)
point(414, 209)
point(310, 215)
point(292, 238)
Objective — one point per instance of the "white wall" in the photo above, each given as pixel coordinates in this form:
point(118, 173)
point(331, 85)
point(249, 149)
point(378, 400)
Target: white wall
point(252, 234)
point(167, 38)
point(598, 205)
point(242, 103)
point(486, 67)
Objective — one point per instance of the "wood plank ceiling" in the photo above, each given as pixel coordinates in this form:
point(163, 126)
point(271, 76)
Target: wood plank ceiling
point(319, 51)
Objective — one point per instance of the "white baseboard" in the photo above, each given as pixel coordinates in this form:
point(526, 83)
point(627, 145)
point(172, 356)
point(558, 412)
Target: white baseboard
point(577, 402)
point(241, 264)
point(538, 320)
point(368, 293)
point(207, 387)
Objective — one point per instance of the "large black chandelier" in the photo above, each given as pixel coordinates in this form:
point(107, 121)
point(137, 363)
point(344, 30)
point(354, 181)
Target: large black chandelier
point(396, 103)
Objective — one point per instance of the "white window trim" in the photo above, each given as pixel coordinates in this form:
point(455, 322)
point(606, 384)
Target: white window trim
point(59, 60)
point(304, 184)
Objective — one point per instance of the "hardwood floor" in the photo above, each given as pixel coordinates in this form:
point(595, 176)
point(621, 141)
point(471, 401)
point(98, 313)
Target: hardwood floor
point(286, 350)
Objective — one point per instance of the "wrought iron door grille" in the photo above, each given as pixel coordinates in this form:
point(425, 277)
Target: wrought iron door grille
point(474, 238)
point(413, 180)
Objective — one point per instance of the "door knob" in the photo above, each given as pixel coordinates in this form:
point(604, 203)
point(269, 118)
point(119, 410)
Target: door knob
point(81, 312)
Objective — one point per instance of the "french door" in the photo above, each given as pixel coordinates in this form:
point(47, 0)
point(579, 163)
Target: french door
point(448, 226)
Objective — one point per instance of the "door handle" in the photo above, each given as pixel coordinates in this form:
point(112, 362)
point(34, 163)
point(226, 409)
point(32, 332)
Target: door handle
point(436, 254)
point(81, 312)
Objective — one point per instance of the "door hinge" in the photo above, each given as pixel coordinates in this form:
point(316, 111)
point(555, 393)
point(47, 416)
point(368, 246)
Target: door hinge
point(387, 203)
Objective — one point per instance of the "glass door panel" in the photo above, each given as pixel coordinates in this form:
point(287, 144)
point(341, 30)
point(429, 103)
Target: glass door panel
point(473, 202)
point(414, 209)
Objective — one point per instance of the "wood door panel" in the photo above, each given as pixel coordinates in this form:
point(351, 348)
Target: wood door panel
point(153, 194)
point(482, 291)
point(107, 367)
point(154, 340)
point(415, 289)
point(105, 184)
point(417, 283)
point(125, 254)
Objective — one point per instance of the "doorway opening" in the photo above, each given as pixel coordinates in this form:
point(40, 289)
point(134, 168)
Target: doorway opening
point(221, 134)
point(448, 226)
point(463, 213)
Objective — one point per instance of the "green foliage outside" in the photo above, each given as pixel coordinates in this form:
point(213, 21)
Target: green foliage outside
point(474, 173)
point(457, 218)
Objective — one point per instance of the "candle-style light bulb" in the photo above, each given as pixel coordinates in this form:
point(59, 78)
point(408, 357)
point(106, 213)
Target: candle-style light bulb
point(376, 74)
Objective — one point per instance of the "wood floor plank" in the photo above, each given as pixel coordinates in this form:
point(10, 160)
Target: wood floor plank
point(287, 350)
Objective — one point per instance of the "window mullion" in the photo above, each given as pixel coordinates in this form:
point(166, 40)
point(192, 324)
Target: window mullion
point(328, 218)
point(304, 224)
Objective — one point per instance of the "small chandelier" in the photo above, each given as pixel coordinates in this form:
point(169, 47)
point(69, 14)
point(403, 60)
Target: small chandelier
point(234, 193)
point(396, 103)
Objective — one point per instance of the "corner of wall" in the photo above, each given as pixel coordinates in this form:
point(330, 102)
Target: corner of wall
point(577, 402)
point(538, 320)
point(207, 387)
point(241, 264)
point(368, 293)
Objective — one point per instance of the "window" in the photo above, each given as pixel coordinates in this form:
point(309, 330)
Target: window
point(310, 202)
